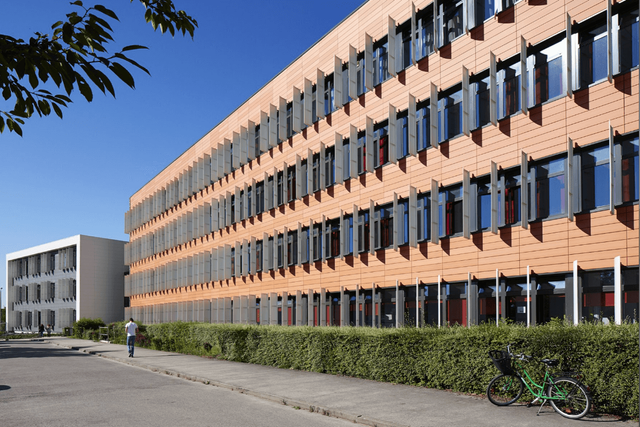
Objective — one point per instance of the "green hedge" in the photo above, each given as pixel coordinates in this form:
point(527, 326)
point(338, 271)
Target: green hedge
point(449, 358)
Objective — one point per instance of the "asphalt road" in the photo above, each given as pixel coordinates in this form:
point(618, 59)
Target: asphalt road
point(45, 385)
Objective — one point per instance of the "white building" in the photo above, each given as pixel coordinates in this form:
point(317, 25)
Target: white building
point(59, 282)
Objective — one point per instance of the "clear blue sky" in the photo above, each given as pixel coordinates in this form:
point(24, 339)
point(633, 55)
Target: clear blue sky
point(75, 175)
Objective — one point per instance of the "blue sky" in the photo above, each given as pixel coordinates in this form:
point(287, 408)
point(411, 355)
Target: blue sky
point(75, 175)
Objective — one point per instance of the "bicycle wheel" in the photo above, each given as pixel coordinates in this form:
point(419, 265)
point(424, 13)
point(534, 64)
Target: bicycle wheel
point(503, 390)
point(569, 397)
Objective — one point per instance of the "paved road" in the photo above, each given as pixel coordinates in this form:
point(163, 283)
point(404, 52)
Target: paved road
point(46, 385)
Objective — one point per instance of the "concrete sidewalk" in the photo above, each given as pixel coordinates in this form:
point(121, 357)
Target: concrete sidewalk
point(361, 401)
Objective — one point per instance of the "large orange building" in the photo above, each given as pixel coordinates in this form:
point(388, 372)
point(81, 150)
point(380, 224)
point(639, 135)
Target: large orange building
point(426, 162)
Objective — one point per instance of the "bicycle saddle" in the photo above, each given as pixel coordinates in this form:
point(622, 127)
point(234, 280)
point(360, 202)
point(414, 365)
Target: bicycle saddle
point(550, 362)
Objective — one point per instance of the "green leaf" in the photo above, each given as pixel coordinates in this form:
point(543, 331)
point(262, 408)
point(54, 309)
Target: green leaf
point(132, 62)
point(106, 11)
point(57, 110)
point(56, 25)
point(85, 89)
point(1, 124)
point(122, 74)
point(133, 47)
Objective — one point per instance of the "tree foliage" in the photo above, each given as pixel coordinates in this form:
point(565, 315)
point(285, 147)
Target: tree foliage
point(75, 56)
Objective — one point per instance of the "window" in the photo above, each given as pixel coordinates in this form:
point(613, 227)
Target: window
point(483, 206)
point(423, 220)
point(548, 74)
point(509, 209)
point(550, 300)
point(598, 296)
point(363, 232)
point(627, 40)
point(360, 75)
point(592, 55)
point(423, 123)
point(233, 261)
point(403, 214)
point(629, 169)
point(241, 206)
point(259, 197)
point(595, 178)
point(402, 142)
point(292, 248)
point(482, 100)
point(291, 183)
point(383, 227)
point(280, 252)
point(380, 66)
point(316, 172)
point(450, 115)
point(403, 41)
point(450, 211)
point(259, 255)
point(347, 226)
point(380, 147)
point(289, 119)
point(327, 243)
point(249, 199)
point(508, 84)
point(329, 167)
point(329, 101)
point(550, 191)
point(456, 304)
point(335, 238)
point(233, 208)
point(450, 20)
point(346, 159)
point(485, 9)
point(316, 237)
point(424, 30)
point(362, 154)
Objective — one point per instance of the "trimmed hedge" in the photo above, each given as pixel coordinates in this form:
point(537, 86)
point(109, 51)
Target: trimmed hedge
point(449, 358)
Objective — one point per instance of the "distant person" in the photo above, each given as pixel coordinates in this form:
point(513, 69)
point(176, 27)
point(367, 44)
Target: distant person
point(48, 329)
point(41, 330)
point(132, 330)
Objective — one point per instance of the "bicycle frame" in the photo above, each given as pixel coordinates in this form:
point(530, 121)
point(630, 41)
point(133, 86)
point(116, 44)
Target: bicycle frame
point(547, 380)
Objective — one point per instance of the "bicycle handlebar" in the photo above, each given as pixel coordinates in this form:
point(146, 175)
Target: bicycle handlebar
point(520, 356)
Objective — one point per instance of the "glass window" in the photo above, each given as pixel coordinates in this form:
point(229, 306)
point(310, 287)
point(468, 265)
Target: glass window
point(550, 301)
point(329, 167)
point(516, 299)
point(329, 101)
point(487, 301)
point(360, 75)
point(423, 223)
point(450, 116)
point(402, 141)
point(456, 304)
point(629, 169)
point(260, 197)
point(380, 66)
point(483, 205)
point(316, 172)
point(451, 19)
point(346, 160)
point(291, 184)
point(548, 73)
point(259, 255)
point(423, 123)
point(597, 296)
point(424, 30)
point(362, 154)
point(482, 101)
point(593, 55)
point(380, 147)
point(363, 231)
point(628, 40)
point(485, 9)
point(404, 54)
point(450, 211)
point(510, 214)
point(550, 191)
point(431, 305)
point(280, 188)
point(595, 178)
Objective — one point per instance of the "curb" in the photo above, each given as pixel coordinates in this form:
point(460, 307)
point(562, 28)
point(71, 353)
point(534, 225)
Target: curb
point(354, 418)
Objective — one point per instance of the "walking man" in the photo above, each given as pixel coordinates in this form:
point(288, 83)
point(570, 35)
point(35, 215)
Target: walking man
point(132, 330)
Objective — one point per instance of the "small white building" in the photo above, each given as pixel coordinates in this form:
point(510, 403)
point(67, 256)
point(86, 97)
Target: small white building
point(60, 282)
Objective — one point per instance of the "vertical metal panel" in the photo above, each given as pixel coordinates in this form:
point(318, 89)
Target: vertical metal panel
point(299, 245)
point(310, 189)
point(251, 137)
point(369, 144)
point(412, 139)
point(466, 220)
point(282, 120)
point(494, 198)
point(266, 254)
point(229, 218)
point(227, 156)
point(433, 113)
point(323, 154)
point(391, 47)
point(611, 170)
point(274, 187)
point(254, 197)
point(244, 145)
point(396, 221)
point(236, 150)
point(266, 194)
point(356, 238)
point(343, 238)
point(465, 101)
point(435, 226)
point(264, 132)
point(323, 248)
point(320, 95)
point(393, 135)
point(312, 254)
point(245, 258)
point(567, 58)
point(339, 158)
point(214, 215)
point(206, 177)
point(273, 125)
point(413, 217)
point(524, 98)
point(609, 43)
point(414, 53)
point(220, 161)
point(296, 116)
point(245, 202)
point(236, 208)
point(337, 82)
point(617, 291)
point(353, 151)
point(298, 177)
point(274, 251)
point(353, 72)
point(569, 179)
point(524, 190)
point(372, 242)
point(253, 257)
point(308, 102)
point(493, 89)
point(368, 61)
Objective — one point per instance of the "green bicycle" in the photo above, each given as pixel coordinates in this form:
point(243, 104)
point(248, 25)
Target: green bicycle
point(568, 396)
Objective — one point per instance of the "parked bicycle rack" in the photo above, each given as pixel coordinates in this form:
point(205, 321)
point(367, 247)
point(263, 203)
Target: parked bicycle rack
point(104, 333)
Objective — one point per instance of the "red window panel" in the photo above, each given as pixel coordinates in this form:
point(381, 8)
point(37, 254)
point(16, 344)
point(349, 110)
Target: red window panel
point(631, 297)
